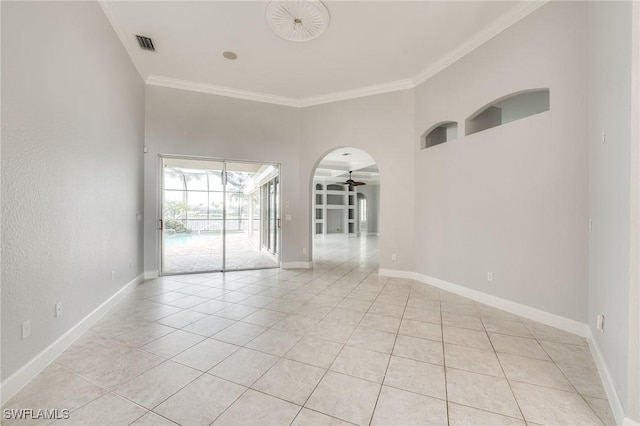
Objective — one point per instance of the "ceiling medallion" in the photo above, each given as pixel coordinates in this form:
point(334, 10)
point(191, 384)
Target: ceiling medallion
point(297, 20)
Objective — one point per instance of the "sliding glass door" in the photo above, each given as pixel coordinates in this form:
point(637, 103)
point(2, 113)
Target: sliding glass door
point(213, 215)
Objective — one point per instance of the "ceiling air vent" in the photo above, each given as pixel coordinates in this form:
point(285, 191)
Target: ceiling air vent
point(145, 43)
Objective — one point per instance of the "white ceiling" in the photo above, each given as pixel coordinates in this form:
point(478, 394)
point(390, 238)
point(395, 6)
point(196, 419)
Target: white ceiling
point(369, 47)
point(335, 167)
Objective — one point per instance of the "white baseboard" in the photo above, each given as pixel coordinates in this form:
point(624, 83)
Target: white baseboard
point(150, 275)
point(525, 311)
point(393, 273)
point(607, 381)
point(296, 265)
point(14, 383)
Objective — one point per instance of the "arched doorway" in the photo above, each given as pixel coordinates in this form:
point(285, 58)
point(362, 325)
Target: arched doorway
point(345, 203)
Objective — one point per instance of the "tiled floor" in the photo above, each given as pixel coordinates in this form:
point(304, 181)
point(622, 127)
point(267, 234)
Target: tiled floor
point(335, 345)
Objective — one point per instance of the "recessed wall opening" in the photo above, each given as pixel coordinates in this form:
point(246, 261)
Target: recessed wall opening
point(346, 193)
point(442, 132)
point(507, 109)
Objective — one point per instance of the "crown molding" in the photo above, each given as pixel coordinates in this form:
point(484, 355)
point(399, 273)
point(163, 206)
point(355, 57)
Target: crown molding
point(478, 40)
point(193, 86)
point(488, 33)
point(392, 86)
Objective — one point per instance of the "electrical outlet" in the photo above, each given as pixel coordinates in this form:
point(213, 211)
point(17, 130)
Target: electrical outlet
point(604, 136)
point(26, 329)
point(304, 250)
point(394, 256)
point(113, 275)
point(600, 322)
point(58, 309)
point(490, 276)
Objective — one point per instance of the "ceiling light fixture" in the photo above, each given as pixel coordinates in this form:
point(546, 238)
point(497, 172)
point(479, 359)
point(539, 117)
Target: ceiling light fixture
point(297, 20)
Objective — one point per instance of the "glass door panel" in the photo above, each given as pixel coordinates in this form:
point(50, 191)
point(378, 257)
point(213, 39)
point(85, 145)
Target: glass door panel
point(192, 222)
point(243, 248)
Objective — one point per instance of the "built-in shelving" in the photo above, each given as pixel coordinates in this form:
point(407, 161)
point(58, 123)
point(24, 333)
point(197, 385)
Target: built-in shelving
point(335, 209)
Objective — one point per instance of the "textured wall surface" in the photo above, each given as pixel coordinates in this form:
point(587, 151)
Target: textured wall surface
point(72, 135)
point(609, 88)
point(511, 200)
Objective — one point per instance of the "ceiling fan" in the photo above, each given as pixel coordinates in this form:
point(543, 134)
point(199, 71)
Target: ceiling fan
point(351, 182)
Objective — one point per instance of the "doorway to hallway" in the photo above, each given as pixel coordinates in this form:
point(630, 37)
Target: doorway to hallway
point(218, 215)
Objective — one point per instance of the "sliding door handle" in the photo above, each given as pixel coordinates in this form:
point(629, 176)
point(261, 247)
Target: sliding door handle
point(161, 225)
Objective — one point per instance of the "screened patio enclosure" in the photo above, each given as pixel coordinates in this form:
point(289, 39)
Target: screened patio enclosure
point(218, 215)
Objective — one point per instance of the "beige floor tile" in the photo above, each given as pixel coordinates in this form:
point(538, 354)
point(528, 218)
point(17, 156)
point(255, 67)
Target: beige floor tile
point(585, 379)
point(210, 307)
point(345, 397)
point(602, 408)
point(423, 330)
point(109, 409)
point(514, 345)
point(205, 354)
point(244, 366)
point(416, 376)
point(308, 417)
point(339, 333)
point(534, 371)
point(551, 334)
point(154, 386)
point(472, 359)
point(296, 324)
point(236, 312)
point(258, 301)
point(569, 354)
point(140, 334)
point(187, 301)
point(387, 309)
point(290, 380)
point(511, 328)
point(381, 322)
point(152, 419)
point(209, 325)
point(318, 352)
point(419, 314)
point(181, 319)
point(459, 415)
point(113, 371)
point(480, 391)
point(55, 387)
point(466, 337)
point(172, 344)
point(200, 402)
point(361, 363)
point(344, 316)
point(274, 342)
point(553, 407)
point(239, 333)
point(355, 305)
point(255, 408)
point(402, 408)
point(419, 349)
point(454, 319)
point(264, 317)
point(375, 340)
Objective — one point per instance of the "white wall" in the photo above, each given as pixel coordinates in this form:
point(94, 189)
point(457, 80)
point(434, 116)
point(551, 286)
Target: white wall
point(190, 123)
point(72, 135)
point(609, 88)
point(511, 200)
point(382, 126)
point(372, 195)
